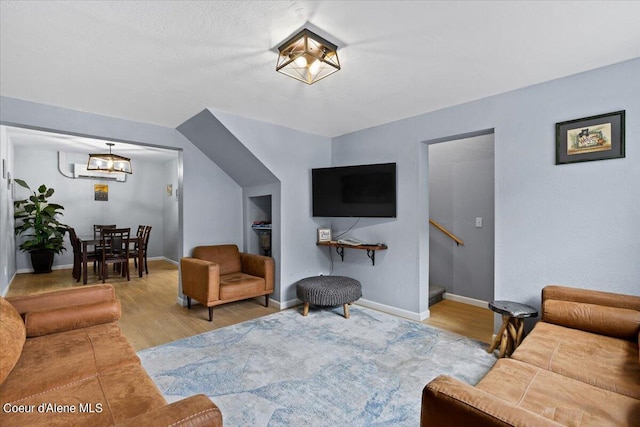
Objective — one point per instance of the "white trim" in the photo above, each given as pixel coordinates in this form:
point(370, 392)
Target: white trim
point(163, 258)
point(285, 304)
point(70, 266)
point(466, 300)
point(53, 267)
point(6, 291)
point(418, 317)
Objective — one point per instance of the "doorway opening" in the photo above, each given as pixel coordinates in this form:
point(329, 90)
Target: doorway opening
point(461, 209)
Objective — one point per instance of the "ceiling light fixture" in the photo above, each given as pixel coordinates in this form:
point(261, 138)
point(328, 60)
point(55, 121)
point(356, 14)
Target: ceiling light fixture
point(307, 57)
point(109, 162)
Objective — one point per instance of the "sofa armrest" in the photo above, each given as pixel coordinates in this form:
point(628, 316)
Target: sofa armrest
point(63, 298)
point(448, 402)
point(260, 266)
point(200, 279)
point(603, 313)
point(196, 410)
point(54, 320)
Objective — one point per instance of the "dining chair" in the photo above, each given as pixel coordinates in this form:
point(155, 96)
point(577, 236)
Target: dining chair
point(144, 239)
point(76, 245)
point(114, 243)
point(96, 235)
point(77, 254)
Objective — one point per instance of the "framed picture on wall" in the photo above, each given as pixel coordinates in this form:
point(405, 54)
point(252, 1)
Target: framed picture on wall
point(324, 234)
point(591, 138)
point(101, 192)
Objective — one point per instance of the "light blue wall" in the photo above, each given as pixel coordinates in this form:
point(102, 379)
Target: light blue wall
point(139, 200)
point(211, 200)
point(289, 155)
point(574, 224)
point(571, 224)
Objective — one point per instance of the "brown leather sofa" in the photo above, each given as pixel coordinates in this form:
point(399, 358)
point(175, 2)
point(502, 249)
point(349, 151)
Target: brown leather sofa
point(65, 361)
point(220, 274)
point(579, 366)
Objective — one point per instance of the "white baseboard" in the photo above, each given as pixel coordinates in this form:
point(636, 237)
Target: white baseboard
point(285, 304)
point(163, 258)
point(55, 267)
point(70, 266)
point(418, 317)
point(466, 300)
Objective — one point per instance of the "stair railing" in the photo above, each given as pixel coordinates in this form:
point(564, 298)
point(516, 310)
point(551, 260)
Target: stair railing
point(447, 232)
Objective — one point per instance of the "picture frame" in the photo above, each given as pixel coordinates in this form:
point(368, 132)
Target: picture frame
point(324, 235)
point(591, 138)
point(101, 192)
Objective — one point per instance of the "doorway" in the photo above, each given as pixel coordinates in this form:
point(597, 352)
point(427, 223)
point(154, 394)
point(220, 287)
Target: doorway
point(461, 202)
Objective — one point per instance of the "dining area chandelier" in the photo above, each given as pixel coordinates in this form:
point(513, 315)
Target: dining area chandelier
point(109, 162)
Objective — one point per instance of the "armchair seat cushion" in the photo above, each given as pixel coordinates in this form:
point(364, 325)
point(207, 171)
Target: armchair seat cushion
point(236, 285)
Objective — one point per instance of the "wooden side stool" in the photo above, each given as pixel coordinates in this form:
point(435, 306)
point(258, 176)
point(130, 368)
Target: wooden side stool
point(511, 332)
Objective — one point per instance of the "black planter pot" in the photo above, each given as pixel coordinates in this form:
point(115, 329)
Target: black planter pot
point(41, 261)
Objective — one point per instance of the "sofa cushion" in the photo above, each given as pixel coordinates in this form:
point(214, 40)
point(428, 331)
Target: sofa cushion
point(226, 256)
point(113, 396)
point(558, 398)
point(601, 361)
point(12, 337)
point(56, 360)
point(239, 285)
point(611, 321)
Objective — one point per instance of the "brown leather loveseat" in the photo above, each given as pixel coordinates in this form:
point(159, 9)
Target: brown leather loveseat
point(579, 366)
point(220, 274)
point(65, 361)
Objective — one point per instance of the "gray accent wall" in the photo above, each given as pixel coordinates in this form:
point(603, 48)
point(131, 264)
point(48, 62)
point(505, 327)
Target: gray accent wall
point(461, 183)
point(207, 133)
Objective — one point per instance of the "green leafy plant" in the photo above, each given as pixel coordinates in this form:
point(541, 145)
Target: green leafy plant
point(38, 221)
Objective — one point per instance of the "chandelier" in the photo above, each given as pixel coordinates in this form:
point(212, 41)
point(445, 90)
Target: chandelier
point(109, 162)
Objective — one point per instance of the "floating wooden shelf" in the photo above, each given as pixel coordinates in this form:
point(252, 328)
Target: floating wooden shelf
point(371, 249)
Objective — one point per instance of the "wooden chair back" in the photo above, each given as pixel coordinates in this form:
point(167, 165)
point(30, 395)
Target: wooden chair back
point(115, 244)
point(98, 227)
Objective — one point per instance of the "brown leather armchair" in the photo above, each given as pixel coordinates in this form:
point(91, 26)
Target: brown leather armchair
point(220, 274)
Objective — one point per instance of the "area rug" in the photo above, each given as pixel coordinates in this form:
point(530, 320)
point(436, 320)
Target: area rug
point(321, 370)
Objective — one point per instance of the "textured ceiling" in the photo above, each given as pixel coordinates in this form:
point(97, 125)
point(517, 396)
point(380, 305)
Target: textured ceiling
point(162, 62)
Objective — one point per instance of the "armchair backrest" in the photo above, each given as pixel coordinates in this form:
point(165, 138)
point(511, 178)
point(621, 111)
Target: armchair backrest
point(227, 256)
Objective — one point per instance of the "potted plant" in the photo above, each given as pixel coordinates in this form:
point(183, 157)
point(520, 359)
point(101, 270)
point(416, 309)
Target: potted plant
point(45, 234)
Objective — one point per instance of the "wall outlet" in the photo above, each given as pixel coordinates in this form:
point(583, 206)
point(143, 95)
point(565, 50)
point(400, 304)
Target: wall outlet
point(478, 222)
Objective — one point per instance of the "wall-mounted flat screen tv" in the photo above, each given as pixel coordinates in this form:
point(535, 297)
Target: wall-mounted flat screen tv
point(355, 191)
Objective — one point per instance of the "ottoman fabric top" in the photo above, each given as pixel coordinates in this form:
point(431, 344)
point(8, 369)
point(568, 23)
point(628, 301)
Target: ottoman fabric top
point(328, 290)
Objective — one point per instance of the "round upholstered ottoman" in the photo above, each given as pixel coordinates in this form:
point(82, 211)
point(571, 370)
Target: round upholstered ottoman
point(328, 291)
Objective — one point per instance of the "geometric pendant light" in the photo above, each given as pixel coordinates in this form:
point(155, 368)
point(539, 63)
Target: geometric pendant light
point(307, 57)
point(109, 162)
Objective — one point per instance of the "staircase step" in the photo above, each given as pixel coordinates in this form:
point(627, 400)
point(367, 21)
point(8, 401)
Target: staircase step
point(435, 294)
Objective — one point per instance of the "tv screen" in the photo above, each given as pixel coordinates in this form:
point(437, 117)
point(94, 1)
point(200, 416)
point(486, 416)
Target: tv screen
point(355, 191)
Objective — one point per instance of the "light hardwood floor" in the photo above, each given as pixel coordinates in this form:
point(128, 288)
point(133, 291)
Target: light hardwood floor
point(151, 315)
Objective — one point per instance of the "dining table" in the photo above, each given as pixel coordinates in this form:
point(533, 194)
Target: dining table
point(90, 240)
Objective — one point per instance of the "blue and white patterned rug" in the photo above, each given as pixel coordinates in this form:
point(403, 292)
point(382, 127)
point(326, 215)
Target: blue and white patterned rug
point(321, 370)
